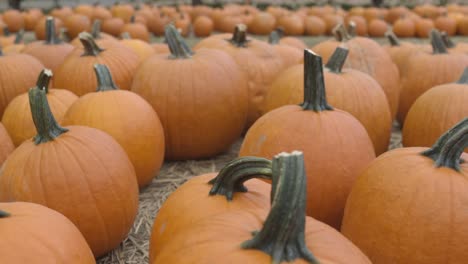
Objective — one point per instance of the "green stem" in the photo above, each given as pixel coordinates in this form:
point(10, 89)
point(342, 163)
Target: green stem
point(447, 41)
point(4, 214)
point(51, 36)
point(96, 29)
point(104, 78)
point(46, 126)
point(315, 98)
point(283, 233)
point(340, 33)
point(447, 151)
point(352, 29)
point(43, 80)
point(91, 48)
point(438, 46)
point(232, 177)
point(274, 37)
point(179, 49)
point(19, 37)
point(239, 37)
point(337, 60)
point(392, 38)
point(6, 31)
point(464, 77)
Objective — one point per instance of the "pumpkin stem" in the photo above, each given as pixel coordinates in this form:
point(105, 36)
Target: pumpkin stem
point(274, 37)
point(283, 233)
point(340, 33)
point(315, 98)
point(239, 38)
point(6, 31)
point(337, 60)
point(447, 151)
point(91, 48)
point(231, 178)
point(464, 77)
point(125, 35)
point(4, 214)
point(96, 29)
point(132, 19)
point(104, 78)
point(438, 46)
point(46, 126)
point(44, 79)
point(392, 38)
point(352, 29)
point(1, 51)
point(19, 36)
point(177, 45)
point(51, 37)
point(447, 41)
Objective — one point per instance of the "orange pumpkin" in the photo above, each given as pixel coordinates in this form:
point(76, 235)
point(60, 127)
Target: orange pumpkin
point(141, 48)
point(314, 26)
point(98, 36)
point(446, 24)
point(63, 244)
point(101, 13)
point(404, 27)
point(51, 52)
point(360, 25)
point(290, 55)
point(396, 13)
point(31, 18)
point(291, 25)
point(423, 27)
point(399, 51)
point(113, 26)
point(160, 48)
point(203, 26)
point(136, 30)
point(282, 234)
point(76, 72)
point(257, 59)
point(78, 171)
point(436, 111)
point(6, 144)
point(462, 26)
point(189, 134)
point(425, 70)
point(17, 116)
point(182, 23)
point(13, 19)
point(413, 196)
point(315, 119)
point(123, 11)
point(158, 23)
point(115, 111)
point(16, 46)
point(262, 23)
point(40, 30)
point(226, 193)
point(76, 24)
point(377, 28)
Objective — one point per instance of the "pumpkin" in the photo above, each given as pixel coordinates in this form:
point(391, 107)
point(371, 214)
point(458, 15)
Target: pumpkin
point(257, 59)
point(76, 72)
point(136, 30)
point(369, 57)
point(40, 30)
point(61, 12)
point(262, 23)
point(182, 23)
point(314, 26)
point(138, 46)
point(51, 52)
point(189, 134)
point(18, 72)
point(416, 197)
point(61, 244)
point(101, 13)
point(399, 51)
point(7, 38)
point(462, 26)
point(31, 18)
point(377, 28)
point(203, 26)
point(373, 113)
point(113, 26)
point(78, 171)
point(404, 27)
point(114, 111)
point(282, 234)
point(360, 25)
point(317, 127)
point(6, 144)
point(123, 11)
point(290, 41)
point(76, 24)
point(17, 116)
point(396, 13)
point(436, 111)
point(226, 190)
point(84, 9)
point(13, 19)
point(291, 25)
point(459, 47)
point(160, 48)
point(290, 55)
point(159, 22)
point(332, 20)
point(424, 27)
point(17, 46)
point(446, 24)
point(425, 70)
point(98, 36)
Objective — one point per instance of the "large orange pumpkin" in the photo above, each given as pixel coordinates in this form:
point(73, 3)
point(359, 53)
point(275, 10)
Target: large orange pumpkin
point(327, 137)
point(417, 197)
point(258, 60)
point(6, 144)
point(282, 234)
point(17, 116)
point(425, 70)
point(200, 97)
point(436, 111)
point(78, 171)
point(226, 193)
point(62, 243)
point(76, 72)
point(128, 118)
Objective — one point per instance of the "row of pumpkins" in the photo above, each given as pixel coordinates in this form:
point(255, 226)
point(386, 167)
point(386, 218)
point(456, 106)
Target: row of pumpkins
point(89, 154)
point(313, 21)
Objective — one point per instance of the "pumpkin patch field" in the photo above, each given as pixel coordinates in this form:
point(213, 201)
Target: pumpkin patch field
point(186, 132)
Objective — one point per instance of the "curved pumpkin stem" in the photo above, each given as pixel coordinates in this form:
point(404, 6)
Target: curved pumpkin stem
point(46, 126)
point(464, 77)
point(315, 98)
point(283, 233)
point(351, 29)
point(239, 38)
point(337, 60)
point(43, 80)
point(51, 37)
point(96, 29)
point(392, 38)
point(340, 33)
point(4, 214)
point(447, 151)
point(447, 40)
point(232, 177)
point(179, 49)
point(19, 37)
point(438, 46)
point(104, 78)
point(91, 48)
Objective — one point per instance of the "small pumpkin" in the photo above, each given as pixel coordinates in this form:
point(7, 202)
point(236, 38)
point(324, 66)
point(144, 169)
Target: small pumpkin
point(113, 26)
point(424, 27)
point(292, 25)
point(17, 46)
point(326, 136)
point(31, 18)
point(360, 25)
point(61, 244)
point(413, 196)
point(17, 116)
point(123, 11)
point(314, 26)
point(446, 24)
point(141, 48)
point(40, 30)
point(404, 27)
point(78, 171)
point(98, 36)
point(182, 23)
point(76, 24)
point(262, 23)
point(136, 30)
point(377, 28)
point(290, 55)
point(399, 51)
point(76, 72)
point(13, 19)
point(203, 26)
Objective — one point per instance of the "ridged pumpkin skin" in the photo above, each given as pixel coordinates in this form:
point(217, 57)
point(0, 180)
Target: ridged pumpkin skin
point(76, 73)
point(141, 48)
point(17, 116)
point(258, 60)
point(6, 144)
point(435, 112)
point(130, 120)
point(190, 95)
point(61, 244)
